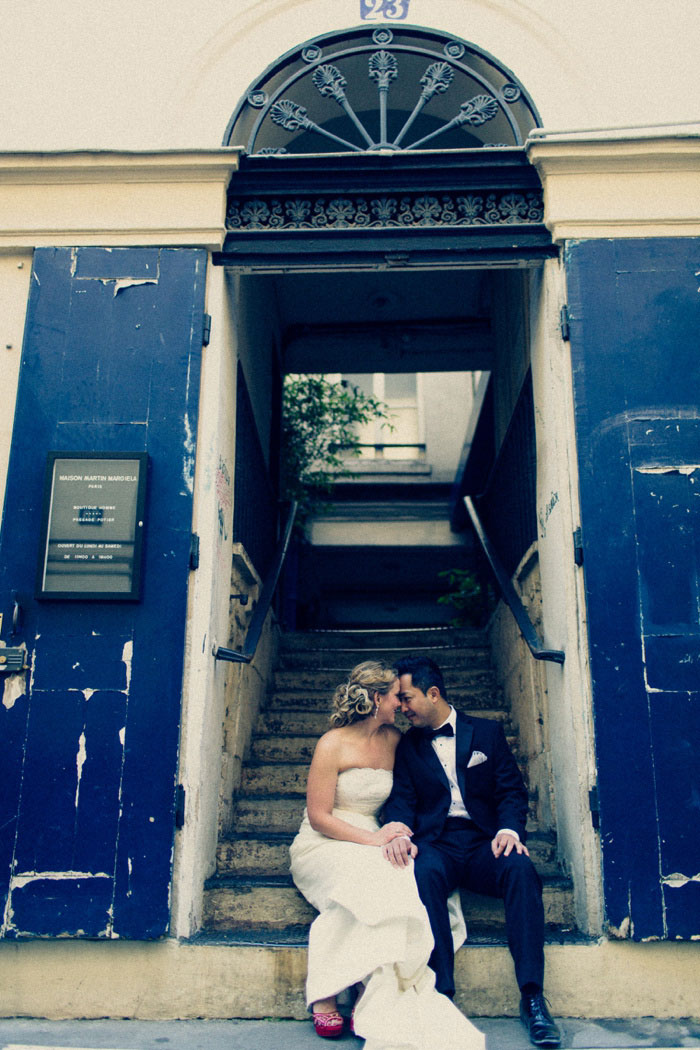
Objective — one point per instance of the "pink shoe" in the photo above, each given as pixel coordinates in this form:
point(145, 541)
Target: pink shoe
point(328, 1026)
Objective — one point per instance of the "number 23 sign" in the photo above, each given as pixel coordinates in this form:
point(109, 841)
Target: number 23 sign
point(379, 10)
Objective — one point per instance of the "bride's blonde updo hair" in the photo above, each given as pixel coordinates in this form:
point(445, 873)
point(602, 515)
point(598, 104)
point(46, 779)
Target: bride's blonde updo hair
point(354, 699)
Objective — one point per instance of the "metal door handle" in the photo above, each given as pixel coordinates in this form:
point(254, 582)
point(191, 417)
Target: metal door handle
point(16, 614)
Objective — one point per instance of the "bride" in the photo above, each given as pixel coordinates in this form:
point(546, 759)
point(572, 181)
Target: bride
point(372, 930)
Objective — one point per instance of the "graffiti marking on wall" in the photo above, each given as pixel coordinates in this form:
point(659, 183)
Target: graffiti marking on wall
point(223, 498)
point(544, 516)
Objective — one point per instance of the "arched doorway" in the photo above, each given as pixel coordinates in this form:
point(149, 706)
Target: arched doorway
point(356, 248)
point(385, 257)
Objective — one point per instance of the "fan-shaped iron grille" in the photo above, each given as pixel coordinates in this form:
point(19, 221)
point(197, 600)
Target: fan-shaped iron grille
point(378, 89)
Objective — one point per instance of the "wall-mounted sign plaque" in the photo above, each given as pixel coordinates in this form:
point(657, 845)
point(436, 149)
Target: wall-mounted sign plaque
point(92, 525)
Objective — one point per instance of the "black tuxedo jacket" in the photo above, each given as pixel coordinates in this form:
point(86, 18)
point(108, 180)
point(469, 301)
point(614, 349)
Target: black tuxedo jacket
point(492, 788)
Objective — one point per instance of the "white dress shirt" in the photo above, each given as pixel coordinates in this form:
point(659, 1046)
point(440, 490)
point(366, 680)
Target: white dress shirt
point(445, 747)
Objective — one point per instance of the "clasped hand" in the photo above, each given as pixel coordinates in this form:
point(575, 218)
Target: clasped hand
point(397, 846)
point(391, 831)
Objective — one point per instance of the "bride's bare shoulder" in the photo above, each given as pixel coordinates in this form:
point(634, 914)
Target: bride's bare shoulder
point(331, 741)
point(395, 735)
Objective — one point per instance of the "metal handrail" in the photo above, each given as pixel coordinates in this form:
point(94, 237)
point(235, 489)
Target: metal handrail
point(247, 652)
point(509, 594)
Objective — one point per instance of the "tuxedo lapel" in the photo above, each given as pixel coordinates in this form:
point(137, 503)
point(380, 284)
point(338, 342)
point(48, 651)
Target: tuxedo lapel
point(463, 746)
point(427, 753)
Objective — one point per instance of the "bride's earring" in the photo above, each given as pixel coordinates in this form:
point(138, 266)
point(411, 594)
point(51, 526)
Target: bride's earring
point(376, 709)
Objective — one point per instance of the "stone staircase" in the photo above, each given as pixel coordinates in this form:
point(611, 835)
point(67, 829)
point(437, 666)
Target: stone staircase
point(251, 899)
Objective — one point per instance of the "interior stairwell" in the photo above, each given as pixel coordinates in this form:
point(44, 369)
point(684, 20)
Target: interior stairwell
point(251, 899)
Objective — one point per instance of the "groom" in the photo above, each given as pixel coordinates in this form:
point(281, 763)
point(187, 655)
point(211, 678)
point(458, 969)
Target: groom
point(457, 785)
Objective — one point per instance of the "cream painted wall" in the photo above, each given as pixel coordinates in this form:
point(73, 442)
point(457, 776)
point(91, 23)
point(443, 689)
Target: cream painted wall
point(15, 272)
point(638, 182)
point(168, 73)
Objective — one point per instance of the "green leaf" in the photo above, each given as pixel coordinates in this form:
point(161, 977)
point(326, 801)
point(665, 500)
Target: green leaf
point(319, 436)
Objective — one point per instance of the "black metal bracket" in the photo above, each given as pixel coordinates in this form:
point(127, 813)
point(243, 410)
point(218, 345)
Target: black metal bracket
point(194, 551)
point(241, 597)
point(206, 329)
point(180, 796)
point(564, 323)
point(594, 807)
point(578, 547)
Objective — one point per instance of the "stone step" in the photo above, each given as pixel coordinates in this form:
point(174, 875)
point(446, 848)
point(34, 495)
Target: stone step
point(276, 815)
point(282, 815)
point(478, 698)
point(252, 895)
point(274, 778)
point(251, 975)
point(242, 903)
point(285, 747)
point(326, 679)
point(253, 854)
point(344, 659)
point(406, 639)
point(286, 774)
point(274, 720)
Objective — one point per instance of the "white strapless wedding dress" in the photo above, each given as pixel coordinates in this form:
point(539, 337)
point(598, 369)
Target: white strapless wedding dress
point(373, 928)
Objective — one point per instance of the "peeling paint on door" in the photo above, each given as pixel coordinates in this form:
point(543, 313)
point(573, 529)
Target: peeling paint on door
point(634, 317)
point(90, 735)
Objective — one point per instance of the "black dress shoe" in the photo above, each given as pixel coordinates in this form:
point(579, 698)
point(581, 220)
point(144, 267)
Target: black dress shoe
point(538, 1021)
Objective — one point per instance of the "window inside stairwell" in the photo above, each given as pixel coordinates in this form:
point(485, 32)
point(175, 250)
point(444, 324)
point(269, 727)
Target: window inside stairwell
point(401, 392)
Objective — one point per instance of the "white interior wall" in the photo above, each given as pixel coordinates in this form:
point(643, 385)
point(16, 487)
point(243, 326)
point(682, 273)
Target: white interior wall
point(256, 325)
point(447, 398)
point(149, 74)
point(205, 680)
point(563, 601)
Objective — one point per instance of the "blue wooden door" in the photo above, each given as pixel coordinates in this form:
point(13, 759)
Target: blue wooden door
point(635, 318)
point(110, 363)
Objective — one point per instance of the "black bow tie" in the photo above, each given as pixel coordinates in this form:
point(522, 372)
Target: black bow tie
point(445, 730)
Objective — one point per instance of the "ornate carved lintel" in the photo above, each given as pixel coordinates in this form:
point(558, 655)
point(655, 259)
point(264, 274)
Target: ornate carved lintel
point(370, 211)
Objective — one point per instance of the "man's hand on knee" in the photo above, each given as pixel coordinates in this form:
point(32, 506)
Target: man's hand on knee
point(400, 851)
point(504, 843)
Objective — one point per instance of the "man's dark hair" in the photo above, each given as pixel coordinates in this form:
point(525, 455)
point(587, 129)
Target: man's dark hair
point(424, 672)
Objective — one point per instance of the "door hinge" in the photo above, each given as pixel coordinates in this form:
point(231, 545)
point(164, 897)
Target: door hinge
point(564, 323)
point(594, 807)
point(578, 547)
point(194, 551)
point(179, 806)
point(206, 329)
